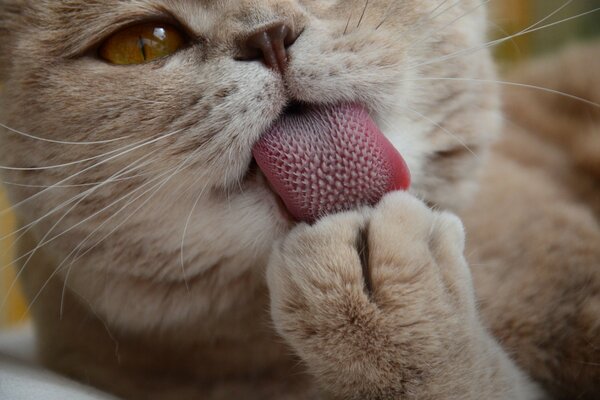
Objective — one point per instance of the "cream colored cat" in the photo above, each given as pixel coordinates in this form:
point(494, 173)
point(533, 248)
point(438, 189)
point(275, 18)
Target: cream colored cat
point(147, 233)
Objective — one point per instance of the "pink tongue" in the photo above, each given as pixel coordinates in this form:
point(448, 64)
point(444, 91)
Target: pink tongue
point(329, 159)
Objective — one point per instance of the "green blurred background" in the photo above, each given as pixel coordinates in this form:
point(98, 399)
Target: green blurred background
point(514, 16)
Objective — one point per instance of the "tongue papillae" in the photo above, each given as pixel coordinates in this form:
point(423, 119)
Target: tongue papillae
point(324, 160)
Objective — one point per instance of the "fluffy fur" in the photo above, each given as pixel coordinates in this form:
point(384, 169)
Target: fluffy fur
point(152, 247)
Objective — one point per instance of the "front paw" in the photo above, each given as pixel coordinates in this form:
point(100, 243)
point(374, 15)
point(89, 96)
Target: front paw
point(378, 302)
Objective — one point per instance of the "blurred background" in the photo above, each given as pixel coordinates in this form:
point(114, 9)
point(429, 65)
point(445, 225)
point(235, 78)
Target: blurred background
point(509, 17)
point(571, 20)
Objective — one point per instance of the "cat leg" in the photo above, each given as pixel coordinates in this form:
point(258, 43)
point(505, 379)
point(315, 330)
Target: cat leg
point(380, 305)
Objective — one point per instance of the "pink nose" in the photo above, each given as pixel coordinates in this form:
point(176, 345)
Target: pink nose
point(270, 45)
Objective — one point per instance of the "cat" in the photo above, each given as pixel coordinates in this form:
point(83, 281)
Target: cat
point(159, 264)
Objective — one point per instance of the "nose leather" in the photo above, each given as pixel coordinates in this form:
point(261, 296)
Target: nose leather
point(270, 44)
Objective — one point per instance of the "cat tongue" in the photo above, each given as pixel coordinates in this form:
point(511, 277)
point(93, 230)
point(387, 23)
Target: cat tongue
point(324, 160)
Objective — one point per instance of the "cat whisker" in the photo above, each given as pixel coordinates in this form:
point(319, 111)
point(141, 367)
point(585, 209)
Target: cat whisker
point(23, 185)
point(387, 13)
point(449, 24)
point(129, 168)
point(496, 42)
point(363, 14)
point(432, 16)
point(57, 166)
point(503, 31)
point(347, 23)
point(230, 154)
point(60, 266)
point(30, 136)
point(515, 84)
point(104, 324)
point(455, 136)
point(76, 254)
point(550, 15)
point(130, 149)
point(185, 230)
point(44, 241)
point(239, 180)
point(68, 164)
point(158, 187)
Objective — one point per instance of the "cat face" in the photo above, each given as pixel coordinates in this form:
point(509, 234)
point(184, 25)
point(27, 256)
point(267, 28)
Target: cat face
point(144, 175)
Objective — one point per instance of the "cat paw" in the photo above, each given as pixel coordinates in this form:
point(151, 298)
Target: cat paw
point(376, 302)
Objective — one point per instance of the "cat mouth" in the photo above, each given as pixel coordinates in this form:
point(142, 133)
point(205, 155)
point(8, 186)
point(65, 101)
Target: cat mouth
point(255, 174)
point(324, 159)
point(259, 177)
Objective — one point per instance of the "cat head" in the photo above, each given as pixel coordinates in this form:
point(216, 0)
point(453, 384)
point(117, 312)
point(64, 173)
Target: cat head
point(140, 176)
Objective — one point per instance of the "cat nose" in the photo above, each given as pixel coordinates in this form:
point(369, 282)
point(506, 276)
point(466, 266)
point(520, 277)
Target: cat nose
point(269, 44)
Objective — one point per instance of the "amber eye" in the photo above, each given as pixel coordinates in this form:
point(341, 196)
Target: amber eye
point(141, 44)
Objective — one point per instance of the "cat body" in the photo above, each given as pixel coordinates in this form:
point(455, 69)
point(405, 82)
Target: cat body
point(160, 265)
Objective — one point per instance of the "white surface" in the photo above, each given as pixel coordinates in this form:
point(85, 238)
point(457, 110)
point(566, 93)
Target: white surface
point(22, 379)
point(18, 343)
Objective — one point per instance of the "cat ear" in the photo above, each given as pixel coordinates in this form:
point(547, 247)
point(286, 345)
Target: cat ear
point(10, 13)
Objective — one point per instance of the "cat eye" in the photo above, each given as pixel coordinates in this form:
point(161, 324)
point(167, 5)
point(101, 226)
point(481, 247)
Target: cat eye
point(142, 43)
